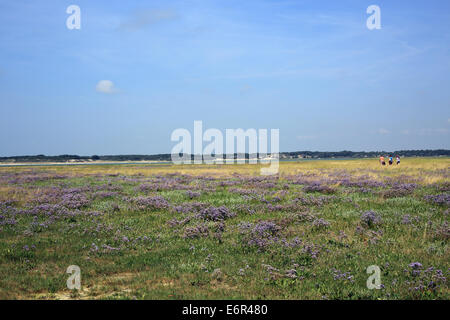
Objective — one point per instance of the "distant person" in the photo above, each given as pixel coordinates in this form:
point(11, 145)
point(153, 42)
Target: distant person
point(398, 160)
point(382, 161)
point(391, 160)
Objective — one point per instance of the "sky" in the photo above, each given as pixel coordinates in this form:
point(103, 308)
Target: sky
point(135, 71)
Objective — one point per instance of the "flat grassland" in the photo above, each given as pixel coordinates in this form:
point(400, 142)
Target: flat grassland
point(226, 232)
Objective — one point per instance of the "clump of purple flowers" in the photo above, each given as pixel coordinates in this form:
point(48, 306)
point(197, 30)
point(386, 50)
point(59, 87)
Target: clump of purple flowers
point(192, 194)
point(428, 279)
point(273, 272)
point(439, 199)
point(416, 267)
point(370, 219)
point(147, 187)
point(342, 276)
point(104, 194)
point(215, 214)
point(320, 223)
point(291, 273)
point(47, 210)
point(245, 209)
point(220, 229)
point(189, 207)
point(94, 247)
point(317, 186)
point(74, 200)
point(260, 234)
point(442, 231)
point(197, 231)
point(400, 190)
point(265, 228)
point(109, 249)
point(152, 202)
point(175, 222)
point(319, 201)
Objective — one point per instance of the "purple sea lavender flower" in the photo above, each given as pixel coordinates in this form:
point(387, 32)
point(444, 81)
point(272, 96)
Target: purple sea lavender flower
point(320, 223)
point(197, 231)
point(109, 249)
point(415, 265)
point(406, 219)
point(440, 199)
point(104, 194)
point(370, 218)
point(94, 247)
point(192, 194)
point(151, 202)
point(215, 213)
point(291, 273)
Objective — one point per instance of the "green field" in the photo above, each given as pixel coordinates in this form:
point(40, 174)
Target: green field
point(225, 232)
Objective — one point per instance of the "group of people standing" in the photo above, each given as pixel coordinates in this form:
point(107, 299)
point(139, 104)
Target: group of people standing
point(391, 160)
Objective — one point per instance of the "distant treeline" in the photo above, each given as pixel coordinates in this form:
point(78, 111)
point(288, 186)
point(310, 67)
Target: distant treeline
point(283, 155)
point(369, 154)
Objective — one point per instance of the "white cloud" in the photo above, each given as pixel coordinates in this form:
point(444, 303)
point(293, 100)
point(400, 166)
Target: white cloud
point(105, 86)
point(383, 131)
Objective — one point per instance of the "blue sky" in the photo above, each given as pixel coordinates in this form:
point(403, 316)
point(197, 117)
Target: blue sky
point(309, 68)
